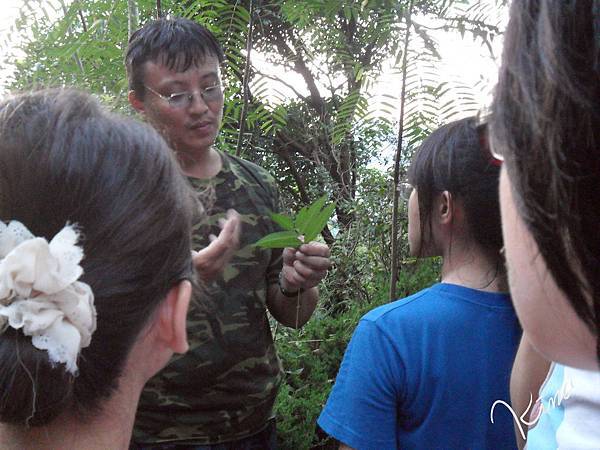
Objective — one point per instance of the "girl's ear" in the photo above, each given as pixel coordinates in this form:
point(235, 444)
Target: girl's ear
point(171, 322)
point(446, 208)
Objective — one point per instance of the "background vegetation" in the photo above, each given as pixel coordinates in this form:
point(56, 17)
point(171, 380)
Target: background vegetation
point(308, 113)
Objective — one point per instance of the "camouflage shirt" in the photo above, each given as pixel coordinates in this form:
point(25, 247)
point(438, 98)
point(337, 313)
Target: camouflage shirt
point(224, 387)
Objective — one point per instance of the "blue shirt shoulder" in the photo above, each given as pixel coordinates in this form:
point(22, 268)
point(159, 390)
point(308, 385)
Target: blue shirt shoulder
point(417, 370)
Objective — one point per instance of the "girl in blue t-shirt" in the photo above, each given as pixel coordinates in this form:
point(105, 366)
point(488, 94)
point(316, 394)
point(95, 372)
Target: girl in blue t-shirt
point(426, 371)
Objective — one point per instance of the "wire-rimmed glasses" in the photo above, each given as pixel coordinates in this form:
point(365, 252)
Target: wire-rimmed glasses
point(186, 98)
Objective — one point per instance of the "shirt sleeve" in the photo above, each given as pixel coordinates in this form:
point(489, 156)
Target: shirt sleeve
point(362, 409)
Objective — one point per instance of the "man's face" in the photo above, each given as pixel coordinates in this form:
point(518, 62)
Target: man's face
point(192, 128)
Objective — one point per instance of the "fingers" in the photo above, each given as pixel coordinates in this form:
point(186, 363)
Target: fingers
point(212, 259)
point(314, 255)
point(228, 239)
point(300, 276)
point(307, 266)
point(309, 273)
point(293, 278)
point(289, 255)
point(230, 227)
point(217, 248)
point(315, 249)
point(313, 262)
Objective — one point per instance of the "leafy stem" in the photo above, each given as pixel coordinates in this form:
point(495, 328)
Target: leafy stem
point(305, 226)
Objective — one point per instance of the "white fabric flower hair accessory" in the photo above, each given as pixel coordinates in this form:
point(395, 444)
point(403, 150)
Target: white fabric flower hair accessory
point(40, 294)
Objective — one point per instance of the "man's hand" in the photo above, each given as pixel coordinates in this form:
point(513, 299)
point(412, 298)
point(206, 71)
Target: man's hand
point(305, 267)
point(210, 261)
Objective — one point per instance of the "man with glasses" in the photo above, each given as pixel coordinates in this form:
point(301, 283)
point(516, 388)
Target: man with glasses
point(220, 394)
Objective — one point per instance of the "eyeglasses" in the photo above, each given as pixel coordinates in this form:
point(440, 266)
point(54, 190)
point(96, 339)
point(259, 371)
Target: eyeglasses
point(185, 99)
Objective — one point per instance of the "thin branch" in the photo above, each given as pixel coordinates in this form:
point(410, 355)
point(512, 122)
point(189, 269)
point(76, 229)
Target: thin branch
point(83, 24)
point(395, 222)
point(453, 20)
point(286, 143)
point(244, 112)
point(132, 18)
point(289, 86)
point(75, 54)
point(300, 66)
point(285, 155)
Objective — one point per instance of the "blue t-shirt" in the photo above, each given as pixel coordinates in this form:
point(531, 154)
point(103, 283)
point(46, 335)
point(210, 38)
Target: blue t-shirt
point(424, 372)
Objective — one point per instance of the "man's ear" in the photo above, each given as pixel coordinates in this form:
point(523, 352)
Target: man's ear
point(172, 317)
point(446, 208)
point(135, 102)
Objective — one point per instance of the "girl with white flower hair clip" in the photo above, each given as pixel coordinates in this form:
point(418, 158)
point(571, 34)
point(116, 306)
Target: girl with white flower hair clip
point(95, 263)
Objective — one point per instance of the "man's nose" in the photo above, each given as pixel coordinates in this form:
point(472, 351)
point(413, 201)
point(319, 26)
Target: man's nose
point(197, 104)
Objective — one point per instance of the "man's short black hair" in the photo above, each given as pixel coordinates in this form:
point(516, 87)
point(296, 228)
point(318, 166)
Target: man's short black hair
point(178, 42)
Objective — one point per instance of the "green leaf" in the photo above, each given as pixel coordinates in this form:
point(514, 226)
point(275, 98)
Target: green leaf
point(309, 214)
point(302, 219)
point(317, 225)
point(284, 222)
point(281, 239)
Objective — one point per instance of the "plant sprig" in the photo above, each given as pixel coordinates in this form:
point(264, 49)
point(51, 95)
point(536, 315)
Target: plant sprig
point(305, 226)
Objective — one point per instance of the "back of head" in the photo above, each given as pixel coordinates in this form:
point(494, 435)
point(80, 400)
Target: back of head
point(546, 123)
point(455, 158)
point(176, 42)
point(63, 159)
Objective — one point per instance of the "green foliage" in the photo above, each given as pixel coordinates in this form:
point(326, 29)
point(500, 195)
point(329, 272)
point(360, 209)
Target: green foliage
point(311, 358)
point(304, 227)
point(312, 355)
point(78, 43)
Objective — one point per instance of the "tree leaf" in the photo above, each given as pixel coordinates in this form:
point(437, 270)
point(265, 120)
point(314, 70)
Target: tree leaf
point(316, 226)
point(280, 239)
point(301, 219)
point(283, 221)
point(307, 215)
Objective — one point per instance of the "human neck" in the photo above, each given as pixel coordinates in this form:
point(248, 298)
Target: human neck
point(110, 429)
point(201, 164)
point(466, 264)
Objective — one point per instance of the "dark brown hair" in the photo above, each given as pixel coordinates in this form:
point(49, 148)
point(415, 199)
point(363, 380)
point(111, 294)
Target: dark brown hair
point(178, 42)
point(452, 159)
point(546, 123)
point(63, 159)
